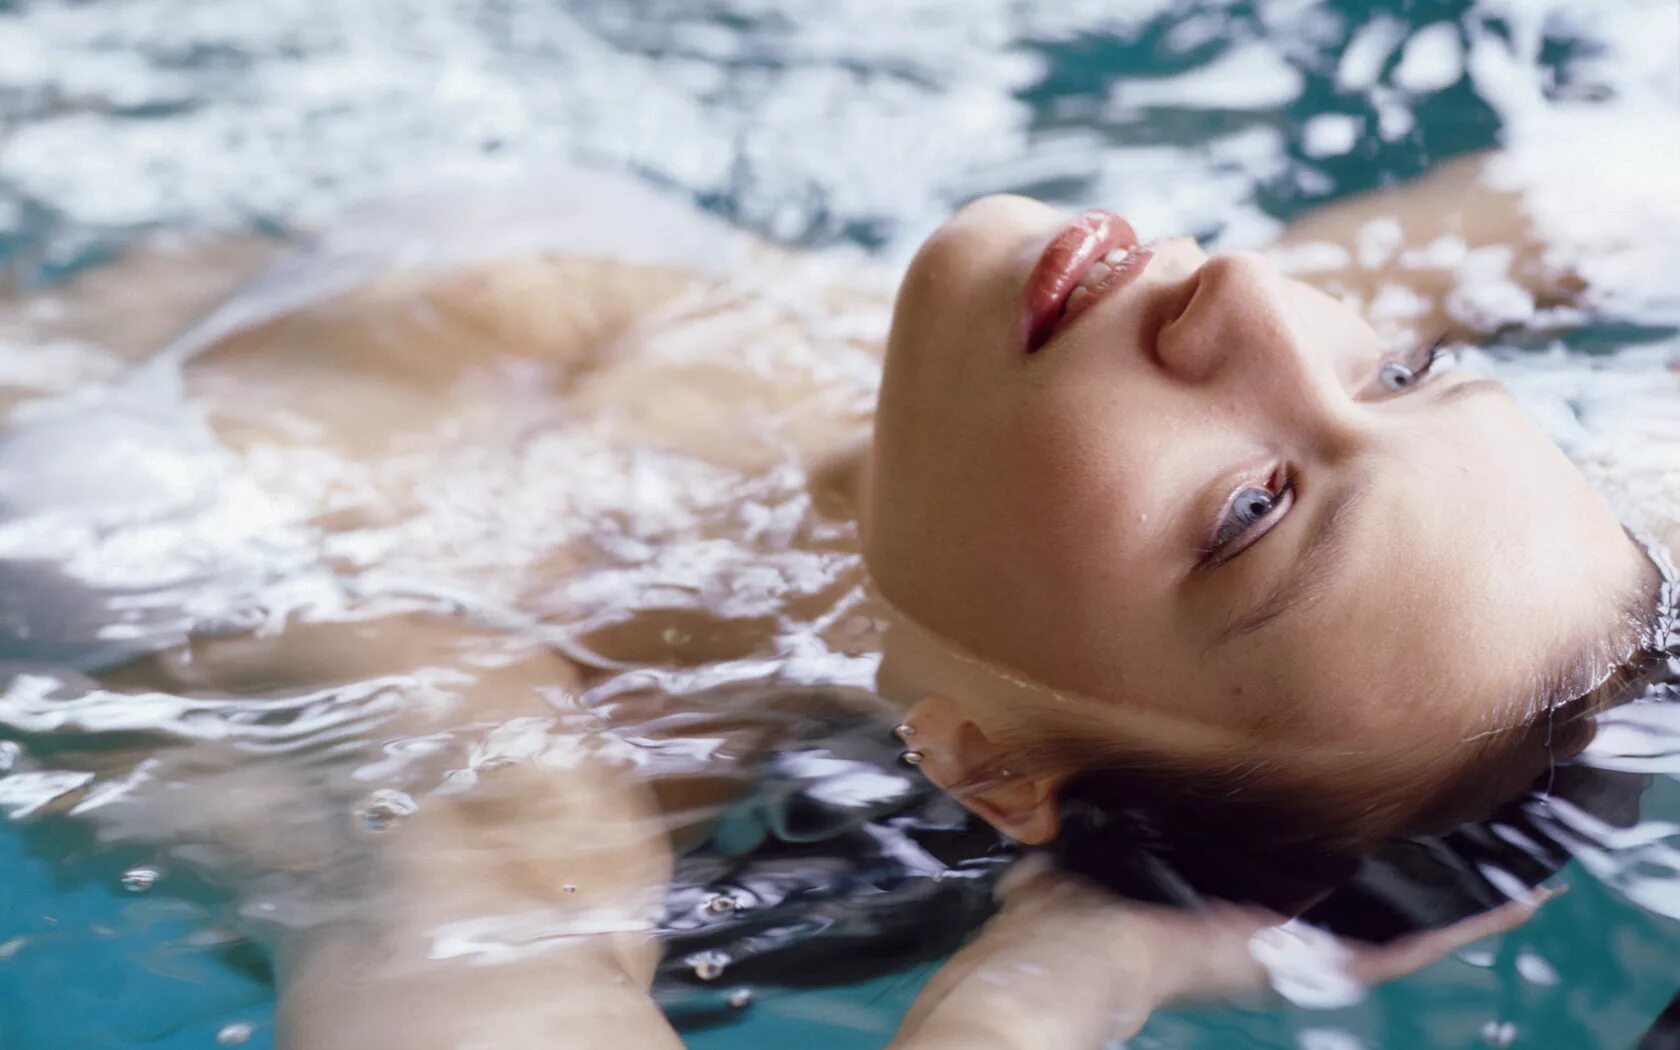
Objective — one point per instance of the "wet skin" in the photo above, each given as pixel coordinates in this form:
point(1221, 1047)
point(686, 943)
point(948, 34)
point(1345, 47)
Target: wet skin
point(1206, 498)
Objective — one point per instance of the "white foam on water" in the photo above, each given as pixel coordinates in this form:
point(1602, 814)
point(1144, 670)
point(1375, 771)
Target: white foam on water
point(805, 118)
point(1432, 59)
point(799, 115)
point(1368, 51)
point(1330, 134)
point(1250, 75)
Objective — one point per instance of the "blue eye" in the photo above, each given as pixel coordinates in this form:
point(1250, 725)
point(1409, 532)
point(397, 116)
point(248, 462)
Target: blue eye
point(1248, 508)
point(1395, 376)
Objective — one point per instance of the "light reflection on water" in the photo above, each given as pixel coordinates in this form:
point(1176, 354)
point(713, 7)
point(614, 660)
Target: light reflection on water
point(835, 125)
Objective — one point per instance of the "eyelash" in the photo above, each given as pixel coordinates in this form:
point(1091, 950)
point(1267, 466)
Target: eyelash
point(1420, 367)
point(1433, 354)
point(1416, 370)
point(1280, 487)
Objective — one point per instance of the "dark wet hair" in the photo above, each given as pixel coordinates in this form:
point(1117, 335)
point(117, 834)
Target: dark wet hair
point(832, 891)
point(839, 863)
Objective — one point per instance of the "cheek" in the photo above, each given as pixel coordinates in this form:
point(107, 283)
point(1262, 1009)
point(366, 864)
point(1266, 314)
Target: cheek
point(1350, 691)
point(1524, 495)
point(1073, 468)
point(1090, 501)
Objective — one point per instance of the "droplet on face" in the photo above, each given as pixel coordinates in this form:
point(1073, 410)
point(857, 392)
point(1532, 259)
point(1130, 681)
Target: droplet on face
point(140, 879)
point(570, 887)
point(236, 1034)
point(385, 808)
point(708, 966)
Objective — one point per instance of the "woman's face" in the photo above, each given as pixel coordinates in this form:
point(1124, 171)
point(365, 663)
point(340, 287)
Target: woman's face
point(1207, 494)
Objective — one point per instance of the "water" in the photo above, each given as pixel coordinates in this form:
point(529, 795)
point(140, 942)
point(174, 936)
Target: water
point(848, 128)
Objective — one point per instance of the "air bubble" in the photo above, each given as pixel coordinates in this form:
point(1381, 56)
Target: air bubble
point(1499, 1034)
point(1536, 970)
point(139, 880)
point(741, 998)
point(721, 904)
point(237, 1034)
point(708, 966)
point(385, 808)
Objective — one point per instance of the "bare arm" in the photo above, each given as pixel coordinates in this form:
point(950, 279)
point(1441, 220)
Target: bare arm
point(1449, 253)
point(521, 900)
point(515, 906)
point(516, 918)
point(1577, 216)
point(1067, 966)
point(1060, 967)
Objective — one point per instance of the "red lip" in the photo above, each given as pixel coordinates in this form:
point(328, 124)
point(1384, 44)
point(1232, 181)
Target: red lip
point(1068, 258)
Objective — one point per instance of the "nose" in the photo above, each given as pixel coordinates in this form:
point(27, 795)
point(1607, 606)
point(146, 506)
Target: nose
point(1240, 333)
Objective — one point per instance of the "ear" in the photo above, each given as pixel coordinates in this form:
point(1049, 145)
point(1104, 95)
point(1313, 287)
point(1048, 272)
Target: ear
point(960, 758)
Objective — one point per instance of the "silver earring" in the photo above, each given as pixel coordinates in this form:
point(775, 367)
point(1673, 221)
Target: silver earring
point(904, 731)
point(911, 758)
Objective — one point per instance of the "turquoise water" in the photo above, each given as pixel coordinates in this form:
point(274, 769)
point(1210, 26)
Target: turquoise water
point(821, 124)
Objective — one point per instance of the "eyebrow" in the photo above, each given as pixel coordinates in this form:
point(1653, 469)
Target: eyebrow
point(1314, 565)
point(1329, 543)
point(1468, 388)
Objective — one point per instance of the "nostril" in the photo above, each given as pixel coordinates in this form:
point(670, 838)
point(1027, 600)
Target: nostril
point(1179, 303)
point(1172, 313)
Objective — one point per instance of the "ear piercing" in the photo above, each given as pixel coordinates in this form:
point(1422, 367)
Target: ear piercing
point(910, 757)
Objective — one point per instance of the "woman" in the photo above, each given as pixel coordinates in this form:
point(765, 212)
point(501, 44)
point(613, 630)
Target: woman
point(1183, 475)
point(448, 519)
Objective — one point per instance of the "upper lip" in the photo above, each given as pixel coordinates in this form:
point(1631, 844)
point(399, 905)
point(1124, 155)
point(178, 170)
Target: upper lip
point(1065, 261)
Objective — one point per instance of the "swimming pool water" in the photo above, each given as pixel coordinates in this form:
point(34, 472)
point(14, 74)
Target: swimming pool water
point(828, 124)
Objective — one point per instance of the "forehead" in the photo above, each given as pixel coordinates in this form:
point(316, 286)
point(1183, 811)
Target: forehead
point(1450, 606)
point(1475, 556)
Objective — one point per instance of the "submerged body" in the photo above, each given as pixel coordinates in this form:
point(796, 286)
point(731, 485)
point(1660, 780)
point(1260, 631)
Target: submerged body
point(481, 534)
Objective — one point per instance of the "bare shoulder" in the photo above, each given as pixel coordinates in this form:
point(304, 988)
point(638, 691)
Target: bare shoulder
point(94, 326)
point(142, 298)
point(1574, 215)
point(533, 265)
point(389, 315)
point(1451, 252)
point(568, 232)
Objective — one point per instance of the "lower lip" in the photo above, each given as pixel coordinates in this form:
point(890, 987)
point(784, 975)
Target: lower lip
point(1065, 262)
